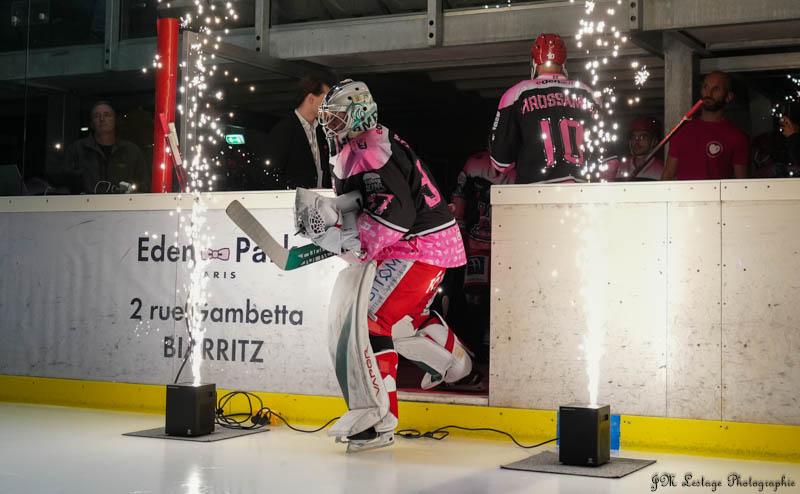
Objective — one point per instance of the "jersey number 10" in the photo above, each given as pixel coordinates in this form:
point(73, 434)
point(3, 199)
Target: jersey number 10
point(569, 140)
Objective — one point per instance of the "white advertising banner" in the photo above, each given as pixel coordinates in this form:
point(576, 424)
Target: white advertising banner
point(101, 295)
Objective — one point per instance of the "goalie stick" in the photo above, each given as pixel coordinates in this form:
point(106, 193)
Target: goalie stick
point(285, 259)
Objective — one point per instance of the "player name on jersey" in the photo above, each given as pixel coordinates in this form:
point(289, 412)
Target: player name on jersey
point(545, 101)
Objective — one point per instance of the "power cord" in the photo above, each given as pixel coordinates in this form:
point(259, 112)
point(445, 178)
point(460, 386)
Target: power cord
point(275, 414)
point(441, 433)
point(254, 418)
point(243, 420)
point(257, 417)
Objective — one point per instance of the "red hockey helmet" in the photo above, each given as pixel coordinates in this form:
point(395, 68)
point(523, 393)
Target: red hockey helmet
point(548, 48)
point(644, 124)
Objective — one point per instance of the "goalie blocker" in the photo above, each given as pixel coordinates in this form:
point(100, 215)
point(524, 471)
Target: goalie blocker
point(330, 223)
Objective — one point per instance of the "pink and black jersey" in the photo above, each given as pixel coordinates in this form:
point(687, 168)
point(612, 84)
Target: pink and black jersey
point(539, 129)
point(471, 195)
point(405, 215)
point(473, 212)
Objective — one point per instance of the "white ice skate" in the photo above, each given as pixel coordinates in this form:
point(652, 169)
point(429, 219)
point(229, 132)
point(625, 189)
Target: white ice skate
point(368, 439)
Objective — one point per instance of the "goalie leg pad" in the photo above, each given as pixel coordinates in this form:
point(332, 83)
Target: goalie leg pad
point(438, 351)
point(357, 369)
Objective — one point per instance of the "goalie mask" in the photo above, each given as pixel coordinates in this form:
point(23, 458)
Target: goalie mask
point(348, 110)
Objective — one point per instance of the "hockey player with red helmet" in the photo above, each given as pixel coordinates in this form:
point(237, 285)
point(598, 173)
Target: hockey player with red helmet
point(405, 238)
point(642, 138)
point(540, 122)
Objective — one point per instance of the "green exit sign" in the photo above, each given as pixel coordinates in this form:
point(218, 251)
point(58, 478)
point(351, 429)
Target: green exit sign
point(234, 139)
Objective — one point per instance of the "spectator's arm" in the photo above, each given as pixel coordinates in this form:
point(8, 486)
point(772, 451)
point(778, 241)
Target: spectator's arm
point(741, 158)
point(670, 168)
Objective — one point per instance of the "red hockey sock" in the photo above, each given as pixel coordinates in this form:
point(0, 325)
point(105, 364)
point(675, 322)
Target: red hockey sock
point(387, 365)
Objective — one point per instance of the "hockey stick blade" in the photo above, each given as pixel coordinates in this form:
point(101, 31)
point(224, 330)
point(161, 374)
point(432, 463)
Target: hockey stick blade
point(305, 255)
point(285, 259)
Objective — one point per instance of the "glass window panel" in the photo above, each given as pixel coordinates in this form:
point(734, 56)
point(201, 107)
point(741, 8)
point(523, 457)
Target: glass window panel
point(253, 101)
point(292, 11)
point(59, 135)
point(139, 16)
point(138, 19)
point(20, 153)
point(471, 4)
point(51, 23)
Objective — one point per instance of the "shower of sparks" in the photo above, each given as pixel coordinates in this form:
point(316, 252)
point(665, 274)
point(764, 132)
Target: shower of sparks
point(792, 96)
point(602, 42)
point(600, 39)
point(205, 132)
point(592, 264)
point(641, 76)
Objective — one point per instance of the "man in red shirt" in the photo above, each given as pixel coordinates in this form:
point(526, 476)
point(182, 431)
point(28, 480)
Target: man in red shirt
point(709, 147)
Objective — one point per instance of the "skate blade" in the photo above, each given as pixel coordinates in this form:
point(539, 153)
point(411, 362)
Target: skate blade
point(382, 441)
point(428, 382)
point(471, 382)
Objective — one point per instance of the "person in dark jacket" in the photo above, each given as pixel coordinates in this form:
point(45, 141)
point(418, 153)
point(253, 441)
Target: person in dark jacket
point(101, 163)
point(790, 128)
point(296, 150)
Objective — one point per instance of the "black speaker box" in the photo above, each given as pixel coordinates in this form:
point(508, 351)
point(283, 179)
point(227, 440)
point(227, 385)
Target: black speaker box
point(584, 434)
point(190, 409)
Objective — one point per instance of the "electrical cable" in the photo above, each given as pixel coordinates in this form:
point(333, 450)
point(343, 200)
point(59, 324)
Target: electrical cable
point(257, 419)
point(441, 433)
point(231, 420)
point(260, 416)
point(303, 430)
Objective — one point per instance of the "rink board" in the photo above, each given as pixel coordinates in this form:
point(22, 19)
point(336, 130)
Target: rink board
point(95, 288)
point(689, 288)
point(690, 285)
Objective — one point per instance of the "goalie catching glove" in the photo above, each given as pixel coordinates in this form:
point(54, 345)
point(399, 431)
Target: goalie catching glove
point(329, 222)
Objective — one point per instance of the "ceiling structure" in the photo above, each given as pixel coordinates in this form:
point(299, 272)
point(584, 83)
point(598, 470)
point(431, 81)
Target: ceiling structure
point(472, 47)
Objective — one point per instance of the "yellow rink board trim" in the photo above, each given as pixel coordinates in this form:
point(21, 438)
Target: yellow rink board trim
point(684, 436)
